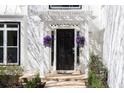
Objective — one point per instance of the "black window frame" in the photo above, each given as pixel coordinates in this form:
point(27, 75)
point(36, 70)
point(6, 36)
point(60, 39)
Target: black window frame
point(65, 7)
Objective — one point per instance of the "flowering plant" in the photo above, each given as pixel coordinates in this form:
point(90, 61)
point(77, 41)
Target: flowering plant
point(47, 40)
point(80, 40)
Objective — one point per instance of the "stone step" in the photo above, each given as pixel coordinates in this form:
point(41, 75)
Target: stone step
point(67, 87)
point(65, 84)
point(57, 75)
point(65, 81)
point(65, 77)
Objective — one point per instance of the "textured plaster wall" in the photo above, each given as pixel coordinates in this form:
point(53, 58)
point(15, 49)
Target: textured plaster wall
point(113, 47)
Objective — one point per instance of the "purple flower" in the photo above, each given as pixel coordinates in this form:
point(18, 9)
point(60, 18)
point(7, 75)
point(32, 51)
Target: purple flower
point(47, 41)
point(80, 41)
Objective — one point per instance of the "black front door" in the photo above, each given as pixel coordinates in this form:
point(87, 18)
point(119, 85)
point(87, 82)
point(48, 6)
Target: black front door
point(65, 52)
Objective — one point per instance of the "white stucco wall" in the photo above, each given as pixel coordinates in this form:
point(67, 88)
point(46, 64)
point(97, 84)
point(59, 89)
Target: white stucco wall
point(114, 45)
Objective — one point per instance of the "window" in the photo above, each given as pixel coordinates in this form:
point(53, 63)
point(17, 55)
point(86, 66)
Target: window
point(78, 50)
point(52, 48)
point(64, 7)
point(9, 43)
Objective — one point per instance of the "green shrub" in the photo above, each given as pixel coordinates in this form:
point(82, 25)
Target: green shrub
point(11, 70)
point(9, 81)
point(97, 75)
point(34, 83)
point(9, 76)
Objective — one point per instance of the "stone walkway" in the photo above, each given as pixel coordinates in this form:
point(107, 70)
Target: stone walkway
point(65, 81)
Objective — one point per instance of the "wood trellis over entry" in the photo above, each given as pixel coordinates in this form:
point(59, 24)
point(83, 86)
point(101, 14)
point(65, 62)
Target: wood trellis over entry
point(77, 20)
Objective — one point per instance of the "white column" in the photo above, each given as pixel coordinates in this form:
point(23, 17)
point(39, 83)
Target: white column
point(84, 52)
point(55, 40)
point(75, 50)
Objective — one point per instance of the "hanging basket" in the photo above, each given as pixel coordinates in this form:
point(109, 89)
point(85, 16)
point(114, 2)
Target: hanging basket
point(47, 40)
point(80, 41)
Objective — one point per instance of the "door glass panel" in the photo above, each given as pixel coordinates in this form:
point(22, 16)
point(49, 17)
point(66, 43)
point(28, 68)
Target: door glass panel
point(12, 55)
point(1, 55)
point(12, 38)
point(1, 38)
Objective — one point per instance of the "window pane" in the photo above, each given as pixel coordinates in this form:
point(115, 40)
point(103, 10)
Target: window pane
point(12, 25)
point(1, 25)
point(1, 38)
point(63, 5)
point(12, 38)
point(1, 55)
point(11, 55)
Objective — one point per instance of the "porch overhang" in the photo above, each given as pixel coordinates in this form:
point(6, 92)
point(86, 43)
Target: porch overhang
point(70, 18)
point(66, 16)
